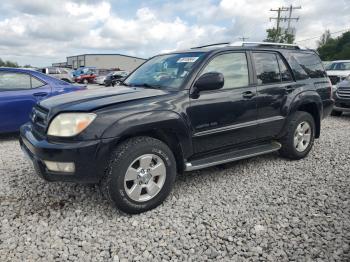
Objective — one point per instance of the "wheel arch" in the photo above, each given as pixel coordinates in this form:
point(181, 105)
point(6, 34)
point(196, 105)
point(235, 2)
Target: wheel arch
point(166, 126)
point(311, 103)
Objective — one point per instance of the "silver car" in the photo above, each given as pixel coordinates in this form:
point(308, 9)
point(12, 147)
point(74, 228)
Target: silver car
point(64, 74)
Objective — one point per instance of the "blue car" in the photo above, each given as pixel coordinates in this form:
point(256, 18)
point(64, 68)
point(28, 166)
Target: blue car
point(20, 90)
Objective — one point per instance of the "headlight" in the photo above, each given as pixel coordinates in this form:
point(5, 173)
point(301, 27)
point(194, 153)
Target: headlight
point(70, 124)
point(348, 78)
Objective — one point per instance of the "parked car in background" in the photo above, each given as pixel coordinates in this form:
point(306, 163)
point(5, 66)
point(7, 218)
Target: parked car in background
point(100, 79)
point(20, 90)
point(83, 70)
point(85, 75)
point(337, 71)
point(341, 97)
point(64, 74)
point(113, 77)
point(179, 112)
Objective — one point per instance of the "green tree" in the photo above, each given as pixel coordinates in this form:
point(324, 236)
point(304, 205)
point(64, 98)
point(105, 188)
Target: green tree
point(326, 36)
point(334, 48)
point(8, 63)
point(279, 35)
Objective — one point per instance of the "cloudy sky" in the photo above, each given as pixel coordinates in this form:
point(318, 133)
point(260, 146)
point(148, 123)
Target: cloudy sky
point(39, 32)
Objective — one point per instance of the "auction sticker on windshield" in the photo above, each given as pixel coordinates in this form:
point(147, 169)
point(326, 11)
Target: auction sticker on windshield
point(187, 59)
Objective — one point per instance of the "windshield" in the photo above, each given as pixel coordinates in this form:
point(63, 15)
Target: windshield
point(164, 71)
point(339, 66)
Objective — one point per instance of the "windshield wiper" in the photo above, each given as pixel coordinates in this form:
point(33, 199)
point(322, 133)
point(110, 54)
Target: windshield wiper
point(147, 85)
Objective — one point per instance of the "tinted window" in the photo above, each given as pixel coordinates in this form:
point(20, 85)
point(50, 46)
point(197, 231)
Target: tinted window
point(234, 68)
point(14, 81)
point(266, 66)
point(342, 66)
point(298, 71)
point(311, 64)
point(285, 73)
point(36, 83)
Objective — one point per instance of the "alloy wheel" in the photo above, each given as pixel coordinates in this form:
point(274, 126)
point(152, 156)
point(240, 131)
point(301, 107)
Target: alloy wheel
point(145, 177)
point(302, 136)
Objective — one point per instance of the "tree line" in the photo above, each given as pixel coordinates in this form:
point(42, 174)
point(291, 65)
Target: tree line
point(334, 48)
point(8, 63)
point(329, 48)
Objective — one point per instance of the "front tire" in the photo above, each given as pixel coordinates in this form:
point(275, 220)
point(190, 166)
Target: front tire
point(298, 141)
point(140, 176)
point(336, 113)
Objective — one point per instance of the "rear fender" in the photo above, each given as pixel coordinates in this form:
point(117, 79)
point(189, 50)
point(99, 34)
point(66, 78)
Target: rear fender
point(302, 100)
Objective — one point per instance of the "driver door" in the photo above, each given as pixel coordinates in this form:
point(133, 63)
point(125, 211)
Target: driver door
point(227, 116)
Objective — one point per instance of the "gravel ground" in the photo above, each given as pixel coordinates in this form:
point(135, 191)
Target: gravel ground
point(265, 208)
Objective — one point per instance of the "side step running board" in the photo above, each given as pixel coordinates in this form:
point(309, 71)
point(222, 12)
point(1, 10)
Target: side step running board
point(232, 156)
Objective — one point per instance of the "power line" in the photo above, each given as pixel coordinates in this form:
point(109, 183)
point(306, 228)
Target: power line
point(332, 33)
point(288, 19)
point(243, 38)
point(278, 18)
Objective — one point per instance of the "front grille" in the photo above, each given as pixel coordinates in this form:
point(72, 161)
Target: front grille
point(343, 92)
point(334, 79)
point(38, 117)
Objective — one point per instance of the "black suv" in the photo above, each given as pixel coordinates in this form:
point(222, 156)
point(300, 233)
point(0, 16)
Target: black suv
point(179, 112)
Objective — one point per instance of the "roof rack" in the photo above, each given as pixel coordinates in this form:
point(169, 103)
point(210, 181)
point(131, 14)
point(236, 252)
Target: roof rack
point(257, 44)
point(270, 44)
point(204, 46)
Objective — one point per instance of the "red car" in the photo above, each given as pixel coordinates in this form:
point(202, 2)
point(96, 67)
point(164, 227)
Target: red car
point(86, 78)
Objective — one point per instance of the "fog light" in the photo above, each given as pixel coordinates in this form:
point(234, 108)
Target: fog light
point(65, 167)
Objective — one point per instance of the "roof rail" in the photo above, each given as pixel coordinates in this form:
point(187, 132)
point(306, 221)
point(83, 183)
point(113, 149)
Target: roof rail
point(271, 44)
point(204, 46)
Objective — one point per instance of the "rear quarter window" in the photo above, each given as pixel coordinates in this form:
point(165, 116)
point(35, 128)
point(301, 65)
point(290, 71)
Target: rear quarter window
point(311, 64)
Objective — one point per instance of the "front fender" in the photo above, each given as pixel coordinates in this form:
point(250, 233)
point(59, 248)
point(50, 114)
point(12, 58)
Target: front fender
point(152, 121)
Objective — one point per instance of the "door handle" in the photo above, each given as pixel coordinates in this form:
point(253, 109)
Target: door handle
point(248, 94)
point(289, 89)
point(40, 94)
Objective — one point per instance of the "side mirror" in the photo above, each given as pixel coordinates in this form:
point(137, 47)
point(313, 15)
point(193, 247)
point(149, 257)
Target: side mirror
point(209, 81)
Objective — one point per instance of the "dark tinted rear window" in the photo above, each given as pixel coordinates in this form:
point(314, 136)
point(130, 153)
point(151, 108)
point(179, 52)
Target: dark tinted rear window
point(311, 64)
point(298, 71)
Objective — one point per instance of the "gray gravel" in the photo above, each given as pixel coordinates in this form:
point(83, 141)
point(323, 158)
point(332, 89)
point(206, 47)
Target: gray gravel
point(265, 208)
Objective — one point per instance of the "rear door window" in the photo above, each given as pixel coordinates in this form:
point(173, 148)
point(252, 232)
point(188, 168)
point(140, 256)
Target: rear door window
point(267, 69)
point(14, 81)
point(285, 73)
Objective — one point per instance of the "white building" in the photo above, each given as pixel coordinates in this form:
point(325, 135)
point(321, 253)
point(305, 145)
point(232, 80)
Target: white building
point(102, 61)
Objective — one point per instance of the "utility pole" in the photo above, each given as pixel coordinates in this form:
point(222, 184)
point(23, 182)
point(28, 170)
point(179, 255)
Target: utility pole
point(288, 19)
point(291, 8)
point(278, 18)
point(243, 38)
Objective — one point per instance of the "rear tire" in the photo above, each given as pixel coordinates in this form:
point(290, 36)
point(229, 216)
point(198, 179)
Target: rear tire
point(298, 142)
point(336, 113)
point(129, 185)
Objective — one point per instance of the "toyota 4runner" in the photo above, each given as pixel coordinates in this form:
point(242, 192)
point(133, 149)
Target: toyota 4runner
point(177, 112)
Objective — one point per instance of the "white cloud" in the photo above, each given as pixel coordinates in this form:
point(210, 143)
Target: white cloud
point(41, 31)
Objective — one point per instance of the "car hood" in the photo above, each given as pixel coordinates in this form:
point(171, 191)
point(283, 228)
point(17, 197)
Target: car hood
point(92, 99)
